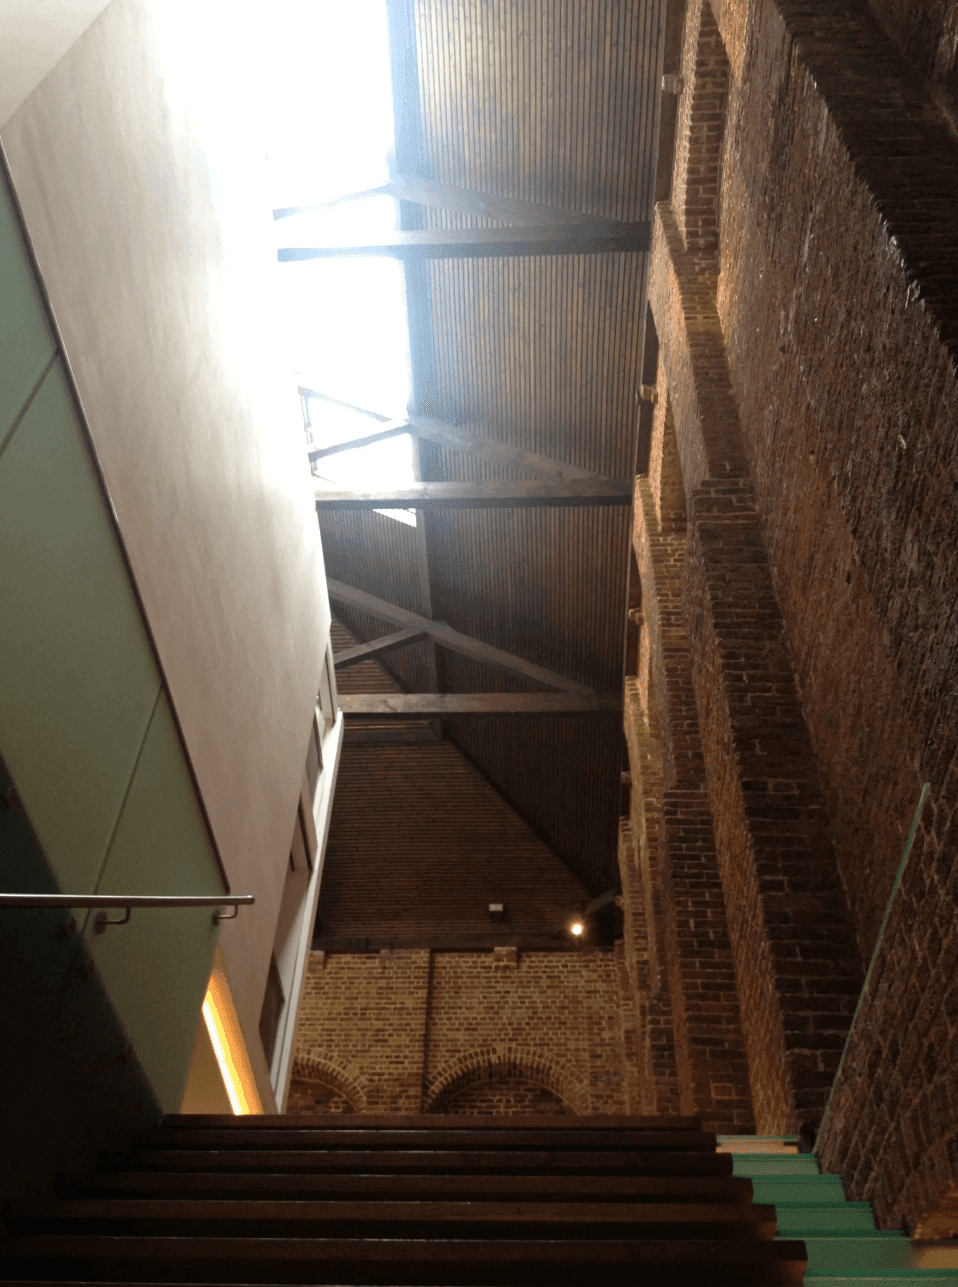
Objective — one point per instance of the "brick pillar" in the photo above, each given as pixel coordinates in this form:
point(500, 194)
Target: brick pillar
point(632, 959)
point(710, 1047)
point(644, 901)
point(800, 976)
point(791, 936)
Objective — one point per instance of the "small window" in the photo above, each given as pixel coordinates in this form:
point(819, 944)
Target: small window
point(314, 759)
point(272, 1010)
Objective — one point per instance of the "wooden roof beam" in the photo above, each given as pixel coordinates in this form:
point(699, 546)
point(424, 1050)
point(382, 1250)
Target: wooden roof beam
point(454, 640)
point(390, 429)
point(559, 493)
point(438, 431)
point(403, 706)
point(594, 237)
point(447, 196)
point(377, 647)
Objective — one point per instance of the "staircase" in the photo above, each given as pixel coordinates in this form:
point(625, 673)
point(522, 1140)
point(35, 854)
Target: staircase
point(845, 1248)
point(408, 1200)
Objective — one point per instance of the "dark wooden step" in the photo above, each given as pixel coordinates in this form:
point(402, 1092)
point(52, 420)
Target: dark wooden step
point(397, 1219)
point(449, 1161)
point(565, 1188)
point(472, 1263)
point(428, 1121)
point(459, 1140)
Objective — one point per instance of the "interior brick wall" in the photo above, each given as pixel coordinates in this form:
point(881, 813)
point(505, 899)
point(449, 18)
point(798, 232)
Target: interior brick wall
point(832, 340)
point(409, 1031)
point(498, 1094)
point(420, 845)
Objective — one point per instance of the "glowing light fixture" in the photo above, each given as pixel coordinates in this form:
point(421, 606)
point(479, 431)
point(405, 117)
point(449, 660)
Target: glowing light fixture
point(222, 1024)
point(576, 928)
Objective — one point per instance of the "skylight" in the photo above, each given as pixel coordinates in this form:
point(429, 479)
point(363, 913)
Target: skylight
point(348, 334)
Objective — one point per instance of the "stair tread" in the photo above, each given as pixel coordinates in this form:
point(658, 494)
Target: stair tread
point(557, 1187)
point(94, 1246)
point(212, 1209)
point(714, 1163)
point(406, 1121)
point(433, 1140)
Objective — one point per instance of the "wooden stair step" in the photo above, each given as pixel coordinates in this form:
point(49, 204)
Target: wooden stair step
point(479, 1263)
point(397, 1218)
point(429, 1121)
point(566, 1188)
point(655, 1163)
point(458, 1140)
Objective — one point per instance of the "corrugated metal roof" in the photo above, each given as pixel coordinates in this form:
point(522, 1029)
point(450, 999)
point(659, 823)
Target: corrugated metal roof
point(553, 102)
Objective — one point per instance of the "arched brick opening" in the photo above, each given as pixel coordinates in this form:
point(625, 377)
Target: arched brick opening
point(337, 1087)
point(490, 1065)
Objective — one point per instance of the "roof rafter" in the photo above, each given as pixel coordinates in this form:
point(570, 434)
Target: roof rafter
point(401, 706)
point(455, 641)
point(447, 196)
point(595, 237)
point(377, 647)
point(559, 493)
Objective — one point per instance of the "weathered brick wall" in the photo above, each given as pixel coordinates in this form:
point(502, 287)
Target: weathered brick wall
point(709, 1045)
point(362, 1028)
point(796, 971)
point(835, 323)
point(925, 32)
point(420, 845)
point(497, 1093)
point(555, 1011)
point(413, 1031)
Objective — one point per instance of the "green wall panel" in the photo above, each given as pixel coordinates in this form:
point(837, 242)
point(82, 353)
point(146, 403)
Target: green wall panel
point(77, 677)
point(156, 967)
point(26, 344)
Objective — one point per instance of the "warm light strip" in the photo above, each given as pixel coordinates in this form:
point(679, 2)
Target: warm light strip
point(227, 1071)
point(219, 1015)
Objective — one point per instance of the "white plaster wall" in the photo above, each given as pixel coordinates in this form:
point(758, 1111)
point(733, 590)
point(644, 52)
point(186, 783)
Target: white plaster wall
point(34, 36)
point(139, 165)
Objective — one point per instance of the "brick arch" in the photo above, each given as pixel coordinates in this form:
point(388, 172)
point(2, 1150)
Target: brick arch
point(473, 1065)
point(332, 1072)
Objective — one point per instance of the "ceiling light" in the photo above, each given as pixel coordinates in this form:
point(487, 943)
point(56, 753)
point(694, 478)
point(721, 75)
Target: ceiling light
point(576, 929)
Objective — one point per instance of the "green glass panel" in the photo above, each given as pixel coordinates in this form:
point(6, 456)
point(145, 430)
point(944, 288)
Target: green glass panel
point(26, 344)
point(156, 967)
point(77, 676)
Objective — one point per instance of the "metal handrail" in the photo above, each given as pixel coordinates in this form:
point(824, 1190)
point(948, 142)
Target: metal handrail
point(129, 901)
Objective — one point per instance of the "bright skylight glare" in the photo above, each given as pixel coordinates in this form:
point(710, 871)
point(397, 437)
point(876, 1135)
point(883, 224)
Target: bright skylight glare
point(345, 320)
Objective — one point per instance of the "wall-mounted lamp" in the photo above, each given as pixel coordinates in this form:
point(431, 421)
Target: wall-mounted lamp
point(577, 929)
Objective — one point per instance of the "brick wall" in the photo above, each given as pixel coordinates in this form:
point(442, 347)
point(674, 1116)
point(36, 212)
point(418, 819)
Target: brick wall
point(420, 844)
point(413, 1031)
point(814, 394)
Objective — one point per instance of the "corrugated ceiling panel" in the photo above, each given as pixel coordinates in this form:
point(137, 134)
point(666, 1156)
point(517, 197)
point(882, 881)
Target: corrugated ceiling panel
point(552, 101)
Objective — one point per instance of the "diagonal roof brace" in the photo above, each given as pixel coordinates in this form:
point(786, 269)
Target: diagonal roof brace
point(455, 641)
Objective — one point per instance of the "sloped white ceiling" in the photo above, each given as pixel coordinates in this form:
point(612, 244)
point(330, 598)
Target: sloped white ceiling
point(34, 36)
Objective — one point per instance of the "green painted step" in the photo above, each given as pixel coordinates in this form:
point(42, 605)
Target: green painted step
point(883, 1278)
point(877, 1249)
point(807, 1221)
point(774, 1164)
point(803, 1190)
point(844, 1247)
